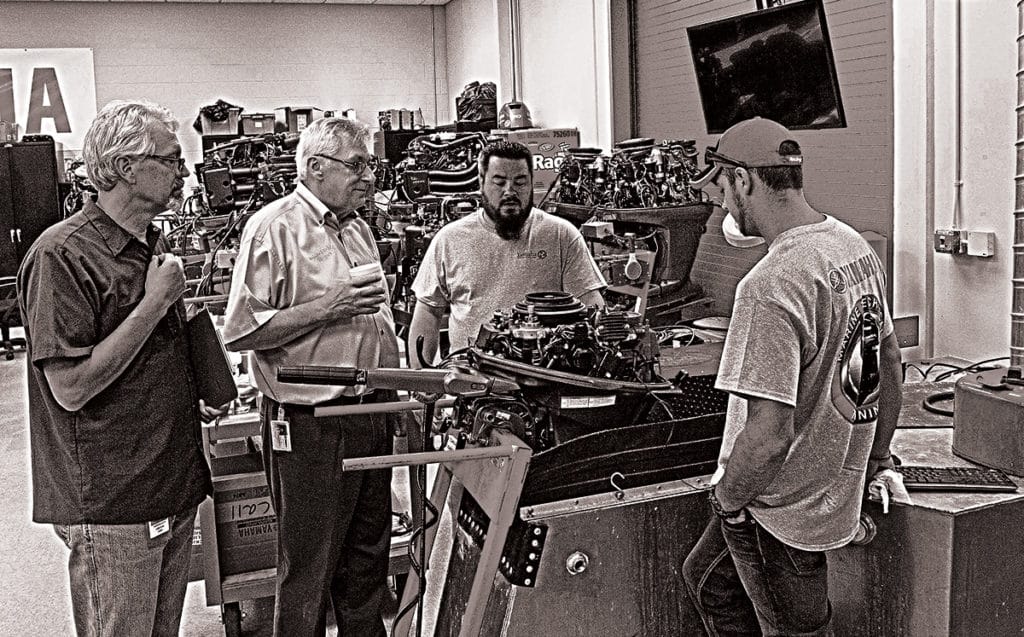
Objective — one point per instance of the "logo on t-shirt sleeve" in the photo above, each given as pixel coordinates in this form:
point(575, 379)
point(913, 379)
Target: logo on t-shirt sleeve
point(856, 380)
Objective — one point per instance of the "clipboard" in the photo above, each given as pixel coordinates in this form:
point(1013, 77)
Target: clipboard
point(214, 379)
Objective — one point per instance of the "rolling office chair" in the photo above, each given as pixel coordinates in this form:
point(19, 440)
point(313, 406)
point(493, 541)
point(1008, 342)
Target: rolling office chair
point(9, 316)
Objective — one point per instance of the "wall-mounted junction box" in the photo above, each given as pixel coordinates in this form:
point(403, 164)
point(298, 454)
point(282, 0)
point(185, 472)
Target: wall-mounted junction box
point(969, 242)
point(981, 244)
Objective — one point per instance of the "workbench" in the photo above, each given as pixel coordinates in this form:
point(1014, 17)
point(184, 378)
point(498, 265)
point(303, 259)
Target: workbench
point(948, 564)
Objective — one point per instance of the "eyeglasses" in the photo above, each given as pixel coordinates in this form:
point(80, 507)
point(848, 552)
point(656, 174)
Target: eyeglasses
point(713, 156)
point(357, 166)
point(178, 162)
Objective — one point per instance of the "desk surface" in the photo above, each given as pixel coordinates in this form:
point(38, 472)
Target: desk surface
point(933, 447)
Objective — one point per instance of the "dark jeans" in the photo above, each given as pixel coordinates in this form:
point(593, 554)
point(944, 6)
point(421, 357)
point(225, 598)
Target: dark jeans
point(333, 527)
point(743, 581)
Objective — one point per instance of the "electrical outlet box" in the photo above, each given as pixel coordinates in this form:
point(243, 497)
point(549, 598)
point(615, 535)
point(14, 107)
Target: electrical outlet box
point(981, 244)
point(906, 329)
point(948, 241)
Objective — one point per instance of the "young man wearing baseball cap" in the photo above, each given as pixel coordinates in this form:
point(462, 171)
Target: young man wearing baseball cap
point(813, 372)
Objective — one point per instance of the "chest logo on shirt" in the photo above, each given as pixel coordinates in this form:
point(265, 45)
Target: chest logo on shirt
point(322, 253)
point(856, 381)
point(837, 281)
point(539, 254)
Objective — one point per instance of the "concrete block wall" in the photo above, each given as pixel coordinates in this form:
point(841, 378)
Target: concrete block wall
point(258, 56)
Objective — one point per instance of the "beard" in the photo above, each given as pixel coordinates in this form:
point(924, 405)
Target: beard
point(509, 216)
point(743, 220)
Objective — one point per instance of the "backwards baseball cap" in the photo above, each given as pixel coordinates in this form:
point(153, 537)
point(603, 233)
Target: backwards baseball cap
point(752, 143)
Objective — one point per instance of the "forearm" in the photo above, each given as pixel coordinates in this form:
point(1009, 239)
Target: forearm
point(285, 326)
point(758, 453)
point(425, 324)
point(890, 398)
point(74, 382)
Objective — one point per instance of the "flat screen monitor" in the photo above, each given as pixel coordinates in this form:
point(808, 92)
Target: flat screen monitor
point(776, 63)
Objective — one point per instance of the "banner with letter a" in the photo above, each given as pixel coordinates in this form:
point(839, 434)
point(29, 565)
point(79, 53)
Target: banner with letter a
point(48, 92)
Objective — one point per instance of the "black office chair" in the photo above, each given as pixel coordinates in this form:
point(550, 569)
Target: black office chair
point(9, 316)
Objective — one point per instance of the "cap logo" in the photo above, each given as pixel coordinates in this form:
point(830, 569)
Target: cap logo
point(792, 159)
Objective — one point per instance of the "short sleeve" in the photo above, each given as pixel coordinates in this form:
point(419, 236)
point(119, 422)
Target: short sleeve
point(57, 310)
point(430, 285)
point(761, 357)
point(255, 287)
point(579, 272)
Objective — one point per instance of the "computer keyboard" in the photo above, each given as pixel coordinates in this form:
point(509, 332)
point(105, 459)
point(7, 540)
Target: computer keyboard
point(955, 479)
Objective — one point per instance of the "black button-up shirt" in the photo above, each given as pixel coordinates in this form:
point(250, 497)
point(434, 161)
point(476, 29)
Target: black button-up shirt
point(133, 453)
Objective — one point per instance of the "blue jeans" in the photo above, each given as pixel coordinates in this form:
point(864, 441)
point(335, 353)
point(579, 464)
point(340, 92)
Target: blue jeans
point(744, 581)
point(124, 583)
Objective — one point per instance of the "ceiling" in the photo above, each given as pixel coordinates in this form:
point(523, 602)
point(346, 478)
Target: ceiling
point(404, 2)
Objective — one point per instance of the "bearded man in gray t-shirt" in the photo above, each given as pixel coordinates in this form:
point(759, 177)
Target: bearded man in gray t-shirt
point(813, 370)
point(491, 259)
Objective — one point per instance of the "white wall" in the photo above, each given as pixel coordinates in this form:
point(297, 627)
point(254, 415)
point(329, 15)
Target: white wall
point(566, 66)
point(472, 51)
point(965, 300)
point(913, 266)
point(258, 56)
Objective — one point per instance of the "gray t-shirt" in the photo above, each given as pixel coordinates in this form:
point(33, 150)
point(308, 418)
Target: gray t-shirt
point(473, 272)
point(806, 331)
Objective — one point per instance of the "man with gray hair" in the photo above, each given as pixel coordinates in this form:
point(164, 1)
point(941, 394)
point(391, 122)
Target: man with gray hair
point(298, 297)
point(117, 462)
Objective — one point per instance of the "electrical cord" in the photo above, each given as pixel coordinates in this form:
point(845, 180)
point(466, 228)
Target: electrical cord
point(969, 368)
point(418, 533)
point(228, 229)
point(929, 369)
point(913, 366)
point(929, 403)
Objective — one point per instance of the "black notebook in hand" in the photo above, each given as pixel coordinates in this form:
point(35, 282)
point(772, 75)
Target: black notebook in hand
point(210, 361)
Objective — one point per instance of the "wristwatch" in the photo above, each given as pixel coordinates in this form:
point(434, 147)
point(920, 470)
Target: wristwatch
point(716, 506)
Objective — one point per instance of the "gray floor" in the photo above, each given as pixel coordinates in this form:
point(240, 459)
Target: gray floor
point(33, 562)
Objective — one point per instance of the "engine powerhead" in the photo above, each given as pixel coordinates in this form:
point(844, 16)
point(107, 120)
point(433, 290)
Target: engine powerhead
point(555, 331)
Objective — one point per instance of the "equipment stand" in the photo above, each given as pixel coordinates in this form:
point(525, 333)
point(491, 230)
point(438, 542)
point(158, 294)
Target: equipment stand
point(494, 477)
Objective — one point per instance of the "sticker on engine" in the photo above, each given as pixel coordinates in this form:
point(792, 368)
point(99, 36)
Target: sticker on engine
point(587, 402)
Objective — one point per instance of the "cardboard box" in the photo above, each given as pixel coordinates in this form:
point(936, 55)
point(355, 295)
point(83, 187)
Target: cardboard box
point(545, 144)
point(227, 126)
point(246, 525)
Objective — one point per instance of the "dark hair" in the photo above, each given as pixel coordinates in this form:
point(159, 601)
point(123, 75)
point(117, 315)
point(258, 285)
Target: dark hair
point(781, 177)
point(505, 150)
point(776, 177)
